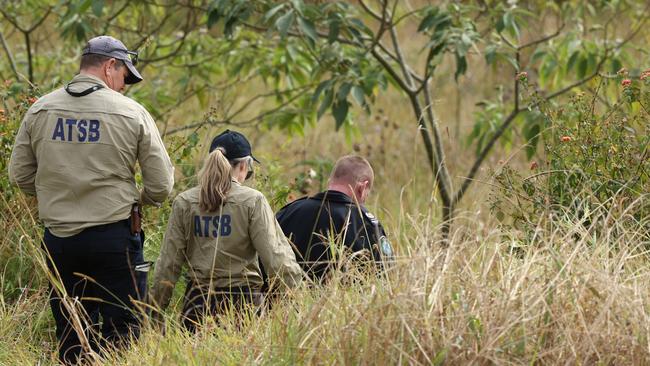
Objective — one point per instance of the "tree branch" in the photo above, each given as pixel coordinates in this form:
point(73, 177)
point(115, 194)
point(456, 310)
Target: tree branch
point(543, 39)
point(392, 72)
point(228, 120)
point(30, 66)
point(12, 62)
point(109, 21)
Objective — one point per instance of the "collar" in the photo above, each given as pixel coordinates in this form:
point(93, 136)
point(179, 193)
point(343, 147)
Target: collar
point(333, 196)
point(86, 78)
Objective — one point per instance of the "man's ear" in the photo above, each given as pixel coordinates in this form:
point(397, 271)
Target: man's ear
point(359, 189)
point(111, 63)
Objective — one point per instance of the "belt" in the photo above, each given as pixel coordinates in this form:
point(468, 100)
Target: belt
point(244, 290)
point(109, 226)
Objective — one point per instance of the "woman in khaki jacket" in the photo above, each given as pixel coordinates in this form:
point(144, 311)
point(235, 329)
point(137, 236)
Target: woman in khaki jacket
point(217, 230)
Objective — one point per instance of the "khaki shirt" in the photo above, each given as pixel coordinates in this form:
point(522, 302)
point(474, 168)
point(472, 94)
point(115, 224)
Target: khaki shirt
point(224, 246)
point(78, 155)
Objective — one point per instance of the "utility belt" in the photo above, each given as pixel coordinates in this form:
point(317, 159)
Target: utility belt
point(234, 290)
point(134, 222)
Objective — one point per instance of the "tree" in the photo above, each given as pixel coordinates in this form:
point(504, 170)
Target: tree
point(343, 52)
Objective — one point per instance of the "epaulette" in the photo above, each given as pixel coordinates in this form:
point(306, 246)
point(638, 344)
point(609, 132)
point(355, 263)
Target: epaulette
point(373, 219)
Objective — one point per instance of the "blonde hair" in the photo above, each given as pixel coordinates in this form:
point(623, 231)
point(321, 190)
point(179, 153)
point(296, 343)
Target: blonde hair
point(214, 181)
point(351, 169)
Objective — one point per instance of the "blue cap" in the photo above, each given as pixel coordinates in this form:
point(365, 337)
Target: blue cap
point(112, 47)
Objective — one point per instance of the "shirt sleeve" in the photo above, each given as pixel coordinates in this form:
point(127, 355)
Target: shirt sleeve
point(367, 234)
point(273, 247)
point(22, 165)
point(172, 256)
point(157, 168)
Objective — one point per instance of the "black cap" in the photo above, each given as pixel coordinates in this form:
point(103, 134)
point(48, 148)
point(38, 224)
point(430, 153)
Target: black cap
point(112, 47)
point(235, 144)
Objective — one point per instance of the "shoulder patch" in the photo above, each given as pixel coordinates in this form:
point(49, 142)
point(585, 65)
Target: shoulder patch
point(386, 248)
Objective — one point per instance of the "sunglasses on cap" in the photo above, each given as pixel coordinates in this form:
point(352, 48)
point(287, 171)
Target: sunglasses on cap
point(249, 173)
point(249, 165)
point(132, 55)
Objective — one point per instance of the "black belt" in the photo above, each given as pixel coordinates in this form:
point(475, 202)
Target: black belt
point(111, 225)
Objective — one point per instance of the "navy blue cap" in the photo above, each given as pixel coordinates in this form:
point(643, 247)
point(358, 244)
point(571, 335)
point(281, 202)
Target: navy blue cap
point(234, 143)
point(112, 47)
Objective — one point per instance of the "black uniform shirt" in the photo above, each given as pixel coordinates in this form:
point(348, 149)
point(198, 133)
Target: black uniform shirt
point(312, 222)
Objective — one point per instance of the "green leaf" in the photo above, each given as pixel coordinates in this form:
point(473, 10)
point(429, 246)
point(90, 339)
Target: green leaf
point(98, 7)
point(284, 22)
point(319, 89)
point(308, 28)
point(510, 59)
point(461, 66)
point(532, 138)
point(537, 55)
point(340, 112)
point(360, 26)
point(428, 20)
point(500, 216)
point(213, 17)
point(440, 357)
point(202, 96)
point(343, 92)
point(582, 67)
point(84, 6)
point(572, 60)
point(616, 65)
point(80, 32)
point(490, 54)
point(333, 34)
point(500, 26)
point(327, 101)
point(271, 13)
point(358, 95)
point(299, 6)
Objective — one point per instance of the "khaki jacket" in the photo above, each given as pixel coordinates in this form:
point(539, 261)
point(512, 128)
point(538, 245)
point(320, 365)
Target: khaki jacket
point(78, 156)
point(223, 247)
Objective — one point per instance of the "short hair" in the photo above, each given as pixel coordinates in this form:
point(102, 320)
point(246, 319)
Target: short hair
point(352, 169)
point(94, 60)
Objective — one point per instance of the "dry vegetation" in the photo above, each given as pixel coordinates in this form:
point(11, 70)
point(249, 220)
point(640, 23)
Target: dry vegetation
point(567, 294)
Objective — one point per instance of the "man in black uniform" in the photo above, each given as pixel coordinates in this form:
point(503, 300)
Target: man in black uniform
point(311, 223)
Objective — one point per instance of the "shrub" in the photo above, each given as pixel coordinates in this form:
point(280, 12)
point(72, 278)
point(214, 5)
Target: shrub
point(595, 164)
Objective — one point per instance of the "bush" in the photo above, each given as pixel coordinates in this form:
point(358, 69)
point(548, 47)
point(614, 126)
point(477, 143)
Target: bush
point(595, 165)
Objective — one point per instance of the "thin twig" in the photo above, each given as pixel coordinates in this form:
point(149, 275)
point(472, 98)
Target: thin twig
point(12, 62)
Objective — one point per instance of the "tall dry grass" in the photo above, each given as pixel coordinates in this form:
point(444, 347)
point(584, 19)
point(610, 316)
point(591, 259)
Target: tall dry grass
point(568, 295)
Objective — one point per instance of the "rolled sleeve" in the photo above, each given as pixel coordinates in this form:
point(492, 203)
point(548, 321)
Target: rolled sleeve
point(272, 246)
point(22, 164)
point(172, 257)
point(157, 168)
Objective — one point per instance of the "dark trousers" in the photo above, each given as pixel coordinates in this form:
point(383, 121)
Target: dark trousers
point(197, 303)
point(97, 268)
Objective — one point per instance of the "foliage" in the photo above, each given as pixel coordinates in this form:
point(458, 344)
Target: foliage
point(596, 163)
point(352, 50)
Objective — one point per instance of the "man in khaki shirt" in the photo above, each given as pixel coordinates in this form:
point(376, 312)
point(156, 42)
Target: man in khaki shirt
point(220, 247)
point(76, 151)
